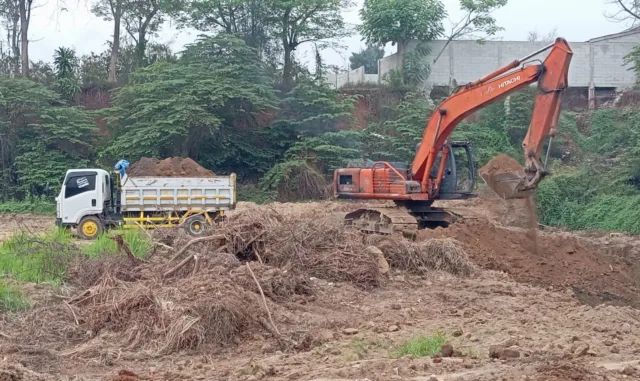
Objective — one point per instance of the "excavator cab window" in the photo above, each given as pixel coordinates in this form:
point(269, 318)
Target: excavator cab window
point(459, 178)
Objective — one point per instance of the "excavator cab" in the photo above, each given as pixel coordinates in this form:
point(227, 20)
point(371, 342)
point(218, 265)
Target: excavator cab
point(459, 179)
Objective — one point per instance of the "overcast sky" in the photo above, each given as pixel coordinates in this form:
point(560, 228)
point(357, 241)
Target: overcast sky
point(576, 20)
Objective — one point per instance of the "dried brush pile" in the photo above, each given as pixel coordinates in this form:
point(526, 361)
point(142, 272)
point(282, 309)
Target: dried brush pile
point(324, 248)
point(423, 257)
point(216, 288)
point(158, 316)
point(16, 372)
point(213, 290)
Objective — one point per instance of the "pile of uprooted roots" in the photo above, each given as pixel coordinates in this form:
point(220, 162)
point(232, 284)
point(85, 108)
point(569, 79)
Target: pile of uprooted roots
point(214, 289)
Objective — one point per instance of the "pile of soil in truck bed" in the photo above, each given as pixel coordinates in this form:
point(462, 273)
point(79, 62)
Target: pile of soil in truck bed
point(170, 167)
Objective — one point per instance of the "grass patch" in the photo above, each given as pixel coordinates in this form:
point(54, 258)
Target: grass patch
point(39, 206)
point(137, 240)
point(421, 346)
point(12, 299)
point(41, 258)
point(36, 258)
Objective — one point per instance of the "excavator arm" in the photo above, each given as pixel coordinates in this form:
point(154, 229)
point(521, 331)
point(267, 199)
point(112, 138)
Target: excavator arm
point(552, 78)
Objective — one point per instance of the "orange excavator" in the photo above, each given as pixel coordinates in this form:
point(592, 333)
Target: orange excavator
point(439, 163)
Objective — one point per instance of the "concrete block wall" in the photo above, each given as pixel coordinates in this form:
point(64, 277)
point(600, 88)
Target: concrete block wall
point(597, 63)
point(351, 77)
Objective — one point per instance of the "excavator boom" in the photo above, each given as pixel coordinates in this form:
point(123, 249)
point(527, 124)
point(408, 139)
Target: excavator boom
point(552, 78)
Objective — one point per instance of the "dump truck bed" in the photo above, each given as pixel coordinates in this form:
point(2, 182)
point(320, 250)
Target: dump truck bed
point(178, 194)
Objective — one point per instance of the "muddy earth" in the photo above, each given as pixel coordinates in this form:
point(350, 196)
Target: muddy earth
point(567, 311)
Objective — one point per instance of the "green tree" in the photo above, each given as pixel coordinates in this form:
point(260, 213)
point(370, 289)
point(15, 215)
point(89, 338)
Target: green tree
point(43, 73)
point(247, 20)
point(312, 109)
point(303, 21)
point(476, 23)
point(40, 138)
point(400, 21)
point(395, 137)
point(10, 13)
point(66, 66)
point(111, 10)
point(181, 108)
point(368, 58)
point(142, 18)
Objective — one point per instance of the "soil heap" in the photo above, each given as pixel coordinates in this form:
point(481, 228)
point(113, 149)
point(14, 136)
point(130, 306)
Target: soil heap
point(501, 164)
point(170, 167)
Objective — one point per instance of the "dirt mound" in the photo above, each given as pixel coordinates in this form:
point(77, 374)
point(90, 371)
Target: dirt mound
point(562, 261)
point(565, 372)
point(501, 164)
point(170, 167)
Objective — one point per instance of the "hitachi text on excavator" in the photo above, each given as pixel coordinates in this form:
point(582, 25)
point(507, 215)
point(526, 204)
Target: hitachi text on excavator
point(439, 163)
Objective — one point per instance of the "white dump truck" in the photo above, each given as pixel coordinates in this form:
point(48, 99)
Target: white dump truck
point(93, 200)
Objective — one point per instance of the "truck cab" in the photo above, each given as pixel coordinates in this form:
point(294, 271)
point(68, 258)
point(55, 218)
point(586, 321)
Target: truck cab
point(84, 198)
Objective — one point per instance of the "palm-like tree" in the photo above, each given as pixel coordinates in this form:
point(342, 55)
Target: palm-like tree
point(65, 62)
point(66, 66)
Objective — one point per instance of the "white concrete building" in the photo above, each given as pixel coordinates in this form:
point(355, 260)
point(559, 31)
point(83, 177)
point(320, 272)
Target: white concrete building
point(596, 64)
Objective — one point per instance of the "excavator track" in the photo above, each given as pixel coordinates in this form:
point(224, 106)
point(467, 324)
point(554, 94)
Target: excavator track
point(390, 220)
point(382, 220)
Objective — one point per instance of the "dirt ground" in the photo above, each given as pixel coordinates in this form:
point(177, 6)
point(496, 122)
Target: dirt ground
point(567, 308)
point(11, 223)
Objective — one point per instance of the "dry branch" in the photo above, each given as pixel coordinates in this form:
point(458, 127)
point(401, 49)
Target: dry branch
point(196, 264)
point(193, 242)
point(264, 300)
point(75, 318)
point(178, 266)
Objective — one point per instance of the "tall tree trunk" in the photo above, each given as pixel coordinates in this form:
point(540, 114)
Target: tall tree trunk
point(115, 47)
point(14, 45)
point(287, 71)
point(141, 46)
point(401, 53)
point(25, 11)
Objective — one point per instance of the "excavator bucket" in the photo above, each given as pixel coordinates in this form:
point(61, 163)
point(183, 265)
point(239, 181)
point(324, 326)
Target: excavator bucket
point(507, 185)
point(506, 177)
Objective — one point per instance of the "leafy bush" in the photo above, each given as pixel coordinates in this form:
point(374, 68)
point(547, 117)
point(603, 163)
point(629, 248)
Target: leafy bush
point(254, 193)
point(35, 205)
point(588, 199)
point(295, 180)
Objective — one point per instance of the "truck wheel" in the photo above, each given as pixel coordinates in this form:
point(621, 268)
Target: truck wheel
point(90, 227)
point(195, 225)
